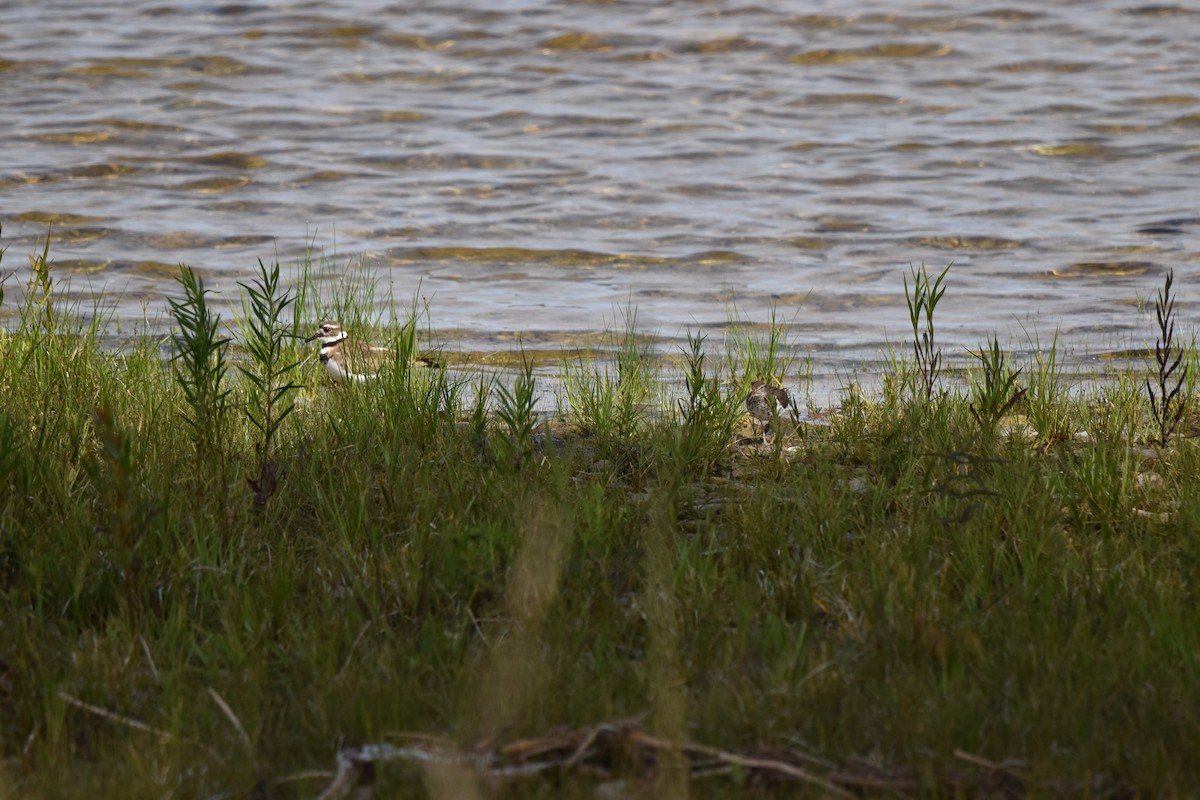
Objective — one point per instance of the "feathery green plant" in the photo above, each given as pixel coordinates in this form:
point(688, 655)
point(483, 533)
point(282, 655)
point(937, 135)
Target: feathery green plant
point(271, 369)
point(270, 372)
point(1047, 399)
point(706, 416)
point(200, 364)
point(516, 410)
point(995, 391)
point(1167, 405)
point(922, 301)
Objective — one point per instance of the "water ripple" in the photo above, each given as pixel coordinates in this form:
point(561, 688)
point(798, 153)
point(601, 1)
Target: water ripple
point(533, 166)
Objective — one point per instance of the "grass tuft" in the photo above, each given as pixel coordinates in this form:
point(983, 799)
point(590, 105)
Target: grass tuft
point(707, 415)
point(515, 407)
point(995, 391)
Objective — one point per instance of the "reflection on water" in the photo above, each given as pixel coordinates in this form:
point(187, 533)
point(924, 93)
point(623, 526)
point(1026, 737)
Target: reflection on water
point(532, 166)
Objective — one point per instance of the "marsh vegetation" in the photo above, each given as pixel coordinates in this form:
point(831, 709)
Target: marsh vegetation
point(222, 576)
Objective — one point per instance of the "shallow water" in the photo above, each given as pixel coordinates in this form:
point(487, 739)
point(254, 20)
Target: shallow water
point(535, 167)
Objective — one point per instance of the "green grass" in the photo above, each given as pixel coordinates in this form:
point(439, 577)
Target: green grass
point(889, 597)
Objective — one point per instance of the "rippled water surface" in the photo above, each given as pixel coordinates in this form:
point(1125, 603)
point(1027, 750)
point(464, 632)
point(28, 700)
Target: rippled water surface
point(533, 166)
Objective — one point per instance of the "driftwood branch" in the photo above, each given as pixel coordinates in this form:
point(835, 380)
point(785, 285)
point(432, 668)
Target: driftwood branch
point(599, 750)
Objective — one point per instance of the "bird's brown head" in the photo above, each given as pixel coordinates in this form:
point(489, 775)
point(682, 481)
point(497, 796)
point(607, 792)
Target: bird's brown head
point(328, 332)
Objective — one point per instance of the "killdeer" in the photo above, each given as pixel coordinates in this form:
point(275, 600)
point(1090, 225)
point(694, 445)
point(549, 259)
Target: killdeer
point(349, 359)
point(762, 401)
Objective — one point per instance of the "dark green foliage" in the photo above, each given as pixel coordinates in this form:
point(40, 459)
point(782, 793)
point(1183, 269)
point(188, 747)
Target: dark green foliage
point(269, 374)
point(10, 448)
point(125, 515)
point(706, 415)
point(996, 390)
point(199, 363)
point(515, 408)
point(922, 300)
point(1167, 405)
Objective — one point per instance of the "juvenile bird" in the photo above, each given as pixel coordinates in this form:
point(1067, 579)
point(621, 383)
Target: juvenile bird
point(763, 400)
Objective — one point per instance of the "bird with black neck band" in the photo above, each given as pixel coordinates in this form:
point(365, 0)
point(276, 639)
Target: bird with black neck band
point(348, 359)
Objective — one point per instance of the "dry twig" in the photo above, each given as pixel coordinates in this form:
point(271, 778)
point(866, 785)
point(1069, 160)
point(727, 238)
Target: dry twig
point(113, 716)
point(593, 748)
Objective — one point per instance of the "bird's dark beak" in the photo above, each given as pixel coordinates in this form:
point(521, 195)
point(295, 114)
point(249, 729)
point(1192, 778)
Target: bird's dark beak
point(316, 335)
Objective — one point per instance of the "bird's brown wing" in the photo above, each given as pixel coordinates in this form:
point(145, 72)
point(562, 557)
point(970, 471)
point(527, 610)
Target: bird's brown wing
point(367, 359)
